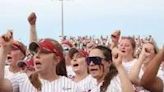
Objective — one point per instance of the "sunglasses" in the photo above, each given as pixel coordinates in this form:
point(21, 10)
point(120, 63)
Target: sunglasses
point(96, 60)
point(66, 49)
point(114, 36)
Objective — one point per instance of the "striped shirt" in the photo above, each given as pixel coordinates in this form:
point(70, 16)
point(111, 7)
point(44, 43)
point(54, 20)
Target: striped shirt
point(114, 86)
point(8, 74)
point(70, 73)
point(87, 84)
point(21, 83)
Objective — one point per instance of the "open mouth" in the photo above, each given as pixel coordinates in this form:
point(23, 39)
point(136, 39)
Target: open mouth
point(123, 51)
point(75, 65)
point(93, 69)
point(37, 63)
point(9, 57)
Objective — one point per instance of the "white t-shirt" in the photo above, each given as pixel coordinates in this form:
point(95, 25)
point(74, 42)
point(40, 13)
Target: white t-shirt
point(160, 73)
point(87, 84)
point(128, 64)
point(9, 74)
point(21, 83)
point(114, 86)
point(70, 72)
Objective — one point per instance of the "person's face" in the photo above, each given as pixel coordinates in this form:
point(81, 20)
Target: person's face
point(78, 63)
point(66, 47)
point(115, 38)
point(14, 56)
point(98, 70)
point(150, 50)
point(89, 47)
point(126, 48)
point(44, 61)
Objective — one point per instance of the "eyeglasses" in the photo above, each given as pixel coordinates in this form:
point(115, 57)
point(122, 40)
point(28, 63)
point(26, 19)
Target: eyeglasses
point(96, 60)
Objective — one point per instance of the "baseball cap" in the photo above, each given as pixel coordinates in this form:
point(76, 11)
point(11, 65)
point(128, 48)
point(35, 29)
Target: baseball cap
point(82, 53)
point(47, 46)
point(16, 45)
point(68, 43)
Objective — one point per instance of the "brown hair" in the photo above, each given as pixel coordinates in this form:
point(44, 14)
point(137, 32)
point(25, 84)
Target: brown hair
point(60, 67)
point(154, 45)
point(112, 69)
point(71, 52)
point(132, 41)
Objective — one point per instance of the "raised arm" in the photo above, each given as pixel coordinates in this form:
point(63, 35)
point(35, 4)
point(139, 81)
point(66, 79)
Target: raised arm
point(5, 43)
point(32, 21)
point(149, 80)
point(135, 70)
point(126, 85)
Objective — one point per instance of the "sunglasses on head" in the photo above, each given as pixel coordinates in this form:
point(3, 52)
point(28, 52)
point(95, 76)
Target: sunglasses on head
point(95, 60)
point(113, 36)
point(66, 49)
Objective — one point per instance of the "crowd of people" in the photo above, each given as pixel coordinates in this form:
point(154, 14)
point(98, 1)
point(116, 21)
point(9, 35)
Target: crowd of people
point(114, 63)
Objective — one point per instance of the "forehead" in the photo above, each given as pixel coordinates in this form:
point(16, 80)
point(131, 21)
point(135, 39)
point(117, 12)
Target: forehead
point(96, 52)
point(125, 41)
point(77, 55)
point(149, 45)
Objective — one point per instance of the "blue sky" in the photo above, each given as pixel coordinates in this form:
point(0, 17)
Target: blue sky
point(84, 17)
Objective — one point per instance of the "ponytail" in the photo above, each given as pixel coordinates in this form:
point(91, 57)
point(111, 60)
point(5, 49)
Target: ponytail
point(112, 72)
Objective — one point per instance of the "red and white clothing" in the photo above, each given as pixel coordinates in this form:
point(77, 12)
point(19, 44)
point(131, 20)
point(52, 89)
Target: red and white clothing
point(114, 86)
point(87, 84)
point(70, 73)
point(8, 73)
point(21, 83)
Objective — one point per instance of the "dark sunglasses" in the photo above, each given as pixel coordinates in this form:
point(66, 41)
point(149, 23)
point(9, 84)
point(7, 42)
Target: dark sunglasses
point(114, 36)
point(95, 60)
